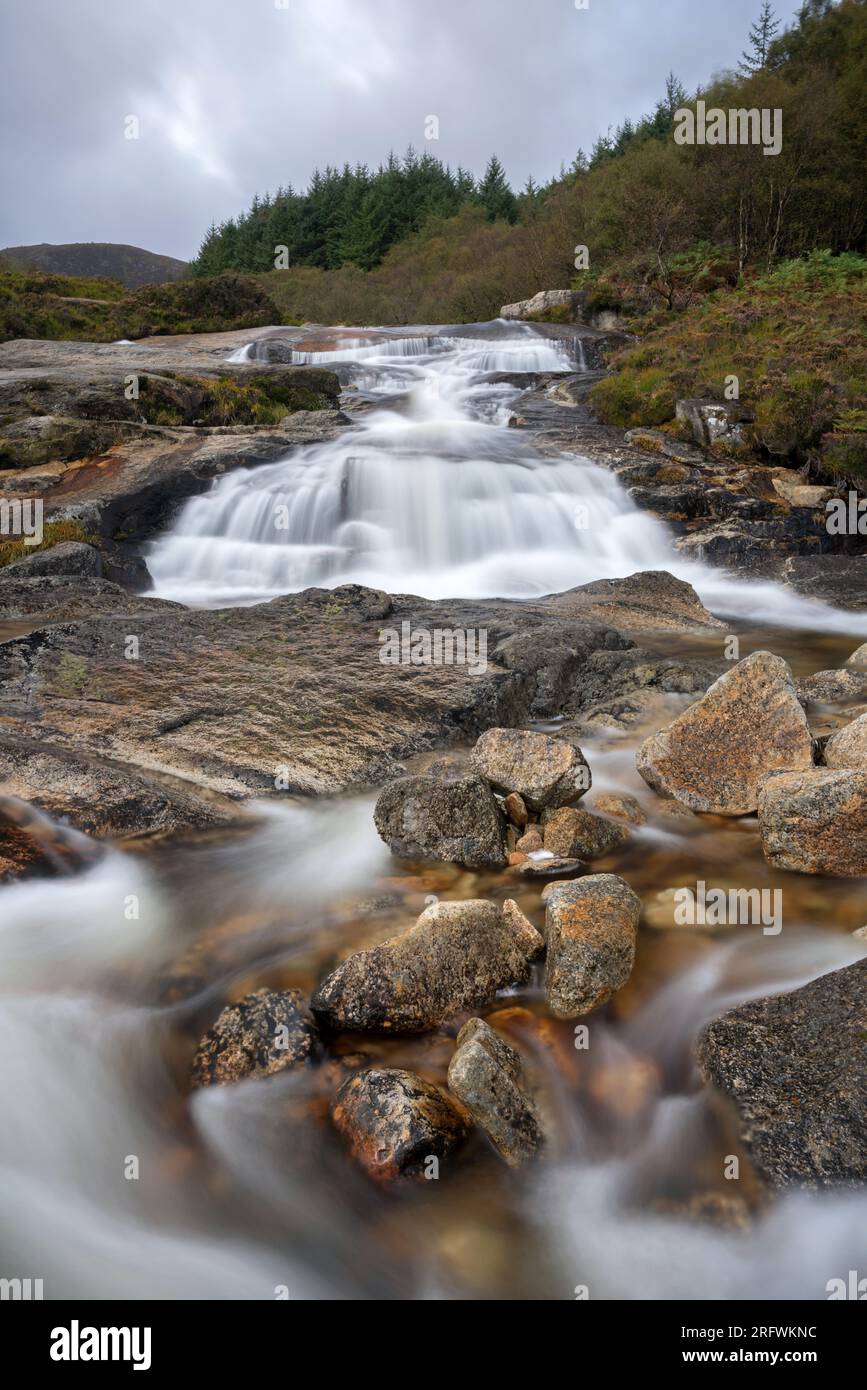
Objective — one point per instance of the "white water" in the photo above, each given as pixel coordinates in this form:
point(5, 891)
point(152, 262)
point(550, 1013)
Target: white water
point(433, 495)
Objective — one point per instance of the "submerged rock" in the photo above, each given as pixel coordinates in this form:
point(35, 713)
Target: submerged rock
point(543, 771)
point(574, 833)
point(457, 956)
point(714, 755)
point(395, 1122)
point(795, 1066)
point(542, 864)
point(485, 1074)
point(816, 822)
point(266, 1032)
point(458, 821)
point(620, 805)
point(590, 928)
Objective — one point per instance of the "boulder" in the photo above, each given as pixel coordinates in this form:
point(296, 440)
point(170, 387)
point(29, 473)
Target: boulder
point(456, 957)
point(858, 657)
point(714, 755)
point(268, 1031)
point(541, 303)
point(792, 488)
point(834, 687)
point(590, 928)
point(848, 746)
point(815, 822)
point(712, 421)
point(620, 805)
point(795, 1067)
point(457, 821)
point(574, 833)
point(395, 1122)
point(485, 1074)
point(66, 558)
point(543, 771)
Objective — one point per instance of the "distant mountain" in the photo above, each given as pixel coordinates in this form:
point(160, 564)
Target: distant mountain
point(130, 265)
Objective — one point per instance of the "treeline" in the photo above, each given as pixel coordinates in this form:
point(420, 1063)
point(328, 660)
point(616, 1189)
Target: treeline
point(351, 216)
point(639, 201)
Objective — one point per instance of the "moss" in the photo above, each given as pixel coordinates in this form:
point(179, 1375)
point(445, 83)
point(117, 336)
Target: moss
point(631, 398)
point(53, 532)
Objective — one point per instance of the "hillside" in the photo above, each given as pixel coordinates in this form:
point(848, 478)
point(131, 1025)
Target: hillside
point(131, 265)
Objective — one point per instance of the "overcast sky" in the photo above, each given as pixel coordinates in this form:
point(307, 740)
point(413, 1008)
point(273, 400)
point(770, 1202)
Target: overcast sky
point(238, 96)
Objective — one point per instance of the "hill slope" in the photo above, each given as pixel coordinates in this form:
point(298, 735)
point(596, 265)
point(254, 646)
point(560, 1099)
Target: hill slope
point(131, 265)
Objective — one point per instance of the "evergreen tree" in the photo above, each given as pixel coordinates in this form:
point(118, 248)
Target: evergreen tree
point(755, 58)
point(495, 195)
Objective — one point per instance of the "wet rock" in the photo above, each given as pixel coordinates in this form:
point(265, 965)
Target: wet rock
point(267, 1032)
point(815, 822)
point(32, 843)
point(848, 746)
point(542, 864)
point(837, 579)
point(485, 1074)
point(543, 771)
point(395, 1122)
point(675, 501)
point(834, 687)
point(714, 755)
point(590, 928)
point(620, 805)
point(456, 957)
point(795, 1067)
point(516, 810)
point(530, 841)
point(858, 657)
point(458, 821)
point(574, 833)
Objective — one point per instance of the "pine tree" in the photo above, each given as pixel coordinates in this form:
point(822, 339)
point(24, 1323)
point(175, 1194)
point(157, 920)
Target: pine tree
point(762, 33)
point(495, 195)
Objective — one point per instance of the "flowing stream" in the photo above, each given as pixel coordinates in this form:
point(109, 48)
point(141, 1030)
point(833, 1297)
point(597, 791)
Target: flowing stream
point(114, 1184)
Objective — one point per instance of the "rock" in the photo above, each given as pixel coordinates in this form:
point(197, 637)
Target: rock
point(835, 687)
point(837, 579)
point(530, 841)
point(620, 805)
point(590, 928)
point(516, 810)
point(858, 657)
point(456, 957)
point(792, 488)
point(848, 746)
point(795, 1067)
point(815, 822)
point(395, 1122)
point(32, 843)
point(541, 303)
point(543, 864)
point(714, 755)
point(543, 771)
point(674, 501)
point(574, 833)
point(457, 821)
point(712, 421)
point(516, 857)
point(860, 933)
point(66, 558)
point(485, 1075)
point(266, 1032)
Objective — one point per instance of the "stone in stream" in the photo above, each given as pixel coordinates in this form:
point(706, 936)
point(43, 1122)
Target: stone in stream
point(266, 1032)
point(530, 841)
point(795, 1067)
point(395, 1122)
point(574, 833)
point(542, 864)
point(516, 810)
point(816, 822)
point(456, 957)
point(485, 1075)
point(848, 746)
point(834, 687)
point(620, 805)
point(543, 771)
point(590, 928)
point(858, 657)
point(714, 755)
point(458, 821)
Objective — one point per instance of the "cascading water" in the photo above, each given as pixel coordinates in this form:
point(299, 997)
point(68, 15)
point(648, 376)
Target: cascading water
point(433, 495)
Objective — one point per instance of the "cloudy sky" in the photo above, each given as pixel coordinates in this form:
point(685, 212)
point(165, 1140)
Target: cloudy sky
point(238, 96)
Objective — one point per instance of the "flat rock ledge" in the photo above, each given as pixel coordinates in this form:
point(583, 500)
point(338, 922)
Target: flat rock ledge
point(795, 1067)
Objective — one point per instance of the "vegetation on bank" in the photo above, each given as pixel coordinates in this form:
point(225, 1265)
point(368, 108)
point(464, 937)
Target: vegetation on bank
point(35, 305)
point(53, 532)
point(794, 339)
